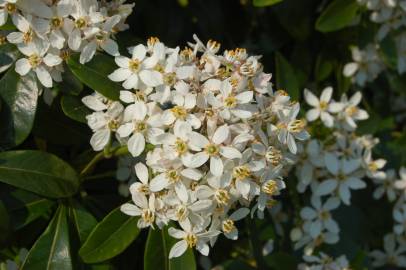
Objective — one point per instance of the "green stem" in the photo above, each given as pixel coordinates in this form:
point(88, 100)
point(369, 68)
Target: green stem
point(118, 151)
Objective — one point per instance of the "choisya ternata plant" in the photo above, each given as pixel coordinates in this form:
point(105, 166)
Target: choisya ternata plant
point(212, 136)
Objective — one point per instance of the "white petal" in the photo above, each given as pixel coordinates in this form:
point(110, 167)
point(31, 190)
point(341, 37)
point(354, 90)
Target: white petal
point(130, 209)
point(221, 134)
point(216, 166)
point(131, 82)
point(100, 139)
point(350, 69)
point(158, 183)
point(52, 60)
point(120, 75)
point(88, 52)
point(326, 187)
point(75, 39)
point(139, 52)
point(110, 47)
point(230, 152)
point(178, 249)
point(136, 144)
point(312, 114)
point(332, 163)
point(181, 191)
point(326, 94)
point(142, 172)
point(43, 76)
point(151, 78)
point(310, 98)
point(23, 66)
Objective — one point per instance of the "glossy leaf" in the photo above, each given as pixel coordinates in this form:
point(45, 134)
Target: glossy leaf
point(74, 108)
point(19, 97)
point(286, 77)
point(38, 172)
point(52, 249)
point(8, 54)
point(265, 3)
point(83, 221)
point(94, 74)
point(156, 255)
point(70, 84)
point(110, 237)
point(25, 207)
point(337, 15)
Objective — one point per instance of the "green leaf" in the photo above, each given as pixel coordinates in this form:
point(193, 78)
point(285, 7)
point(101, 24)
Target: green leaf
point(18, 109)
point(94, 74)
point(8, 25)
point(25, 207)
point(8, 54)
point(52, 249)
point(156, 255)
point(286, 76)
point(70, 84)
point(265, 3)
point(4, 222)
point(83, 220)
point(281, 261)
point(38, 172)
point(337, 15)
point(389, 51)
point(110, 237)
point(323, 68)
point(74, 108)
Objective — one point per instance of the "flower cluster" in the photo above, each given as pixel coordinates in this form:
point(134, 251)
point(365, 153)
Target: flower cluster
point(394, 252)
point(370, 61)
point(47, 32)
point(324, 262)
point(210, 135)
point(331, 166)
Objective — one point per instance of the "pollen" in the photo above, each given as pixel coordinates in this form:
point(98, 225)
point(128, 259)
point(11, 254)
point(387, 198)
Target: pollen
point(28, 36)
point(296, 125)
point(152, 41)
point(273, 155)
point(35, 60)
point(180, 146)
point(191, 240)
point(179, 112)
point(173, 176)
point(241, 172)
point(11, 8)
point(222, 196)
point(80, 23)
point(323, 105)
point(140, 126)
point(270, 187)
point(228, 225)
point(212, 150)
point(134, 65)
point(148, 216)
point(170, 78)
point(230, 102)
point(56, 22)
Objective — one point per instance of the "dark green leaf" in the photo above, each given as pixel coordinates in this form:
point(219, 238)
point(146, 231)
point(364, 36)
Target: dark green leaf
point(265, 3)
point(110, 237)
point(8, 25)
point(25, 207)
point(94, 74)
point(156, 255)
point(83, 220)
point(323, 68)
point(337, 15)
point(38, 172)
point(52, 249)
point(281, 261)
point(286, 77)
point(389, 51)
point(74, 108)
point(8, 54)
point(4, 222)
point(18, 109)
point(70, 84)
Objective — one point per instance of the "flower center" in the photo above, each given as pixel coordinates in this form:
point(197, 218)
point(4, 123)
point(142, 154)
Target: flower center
point(148, 216)
point(324, 215)
point(56, 22)
point(170, 78)
point(212, 150)
point(134, 65)
point(241, 172)
point(186, 54)
point(273, 155)
point(222, 196)
point(270, 187)
point(143, 189)
point(35, 60)
point(323, 105)
point(350, 111)
point(296, 125)
point(140, 126)
point(173, 176)
point(373, 167)
point(181, 213)
point(191, 240)
point(28, 36)
point(230, 102)
point(113, 125)
point(179, 112)
point(152, 41)
point(228, 225)
point(80, 23)
point(180, 146)
point(11, 8)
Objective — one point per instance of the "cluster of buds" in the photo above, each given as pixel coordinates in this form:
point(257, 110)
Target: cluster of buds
point(210, 135)
point(48, 31)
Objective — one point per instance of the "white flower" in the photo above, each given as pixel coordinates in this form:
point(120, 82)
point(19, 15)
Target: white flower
point(344, 177)
point(319, 216)
point(212, 149)
point(192, 236)
point(141, 122)
point(137, 69)
point(386, 185)
point(38, 60)
point(351, 112)
point(399, 215)
point(143, 207)
point(323, 107)
point(391, 255)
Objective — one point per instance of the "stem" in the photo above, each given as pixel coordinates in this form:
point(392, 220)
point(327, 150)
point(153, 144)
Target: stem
point(118, 151)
